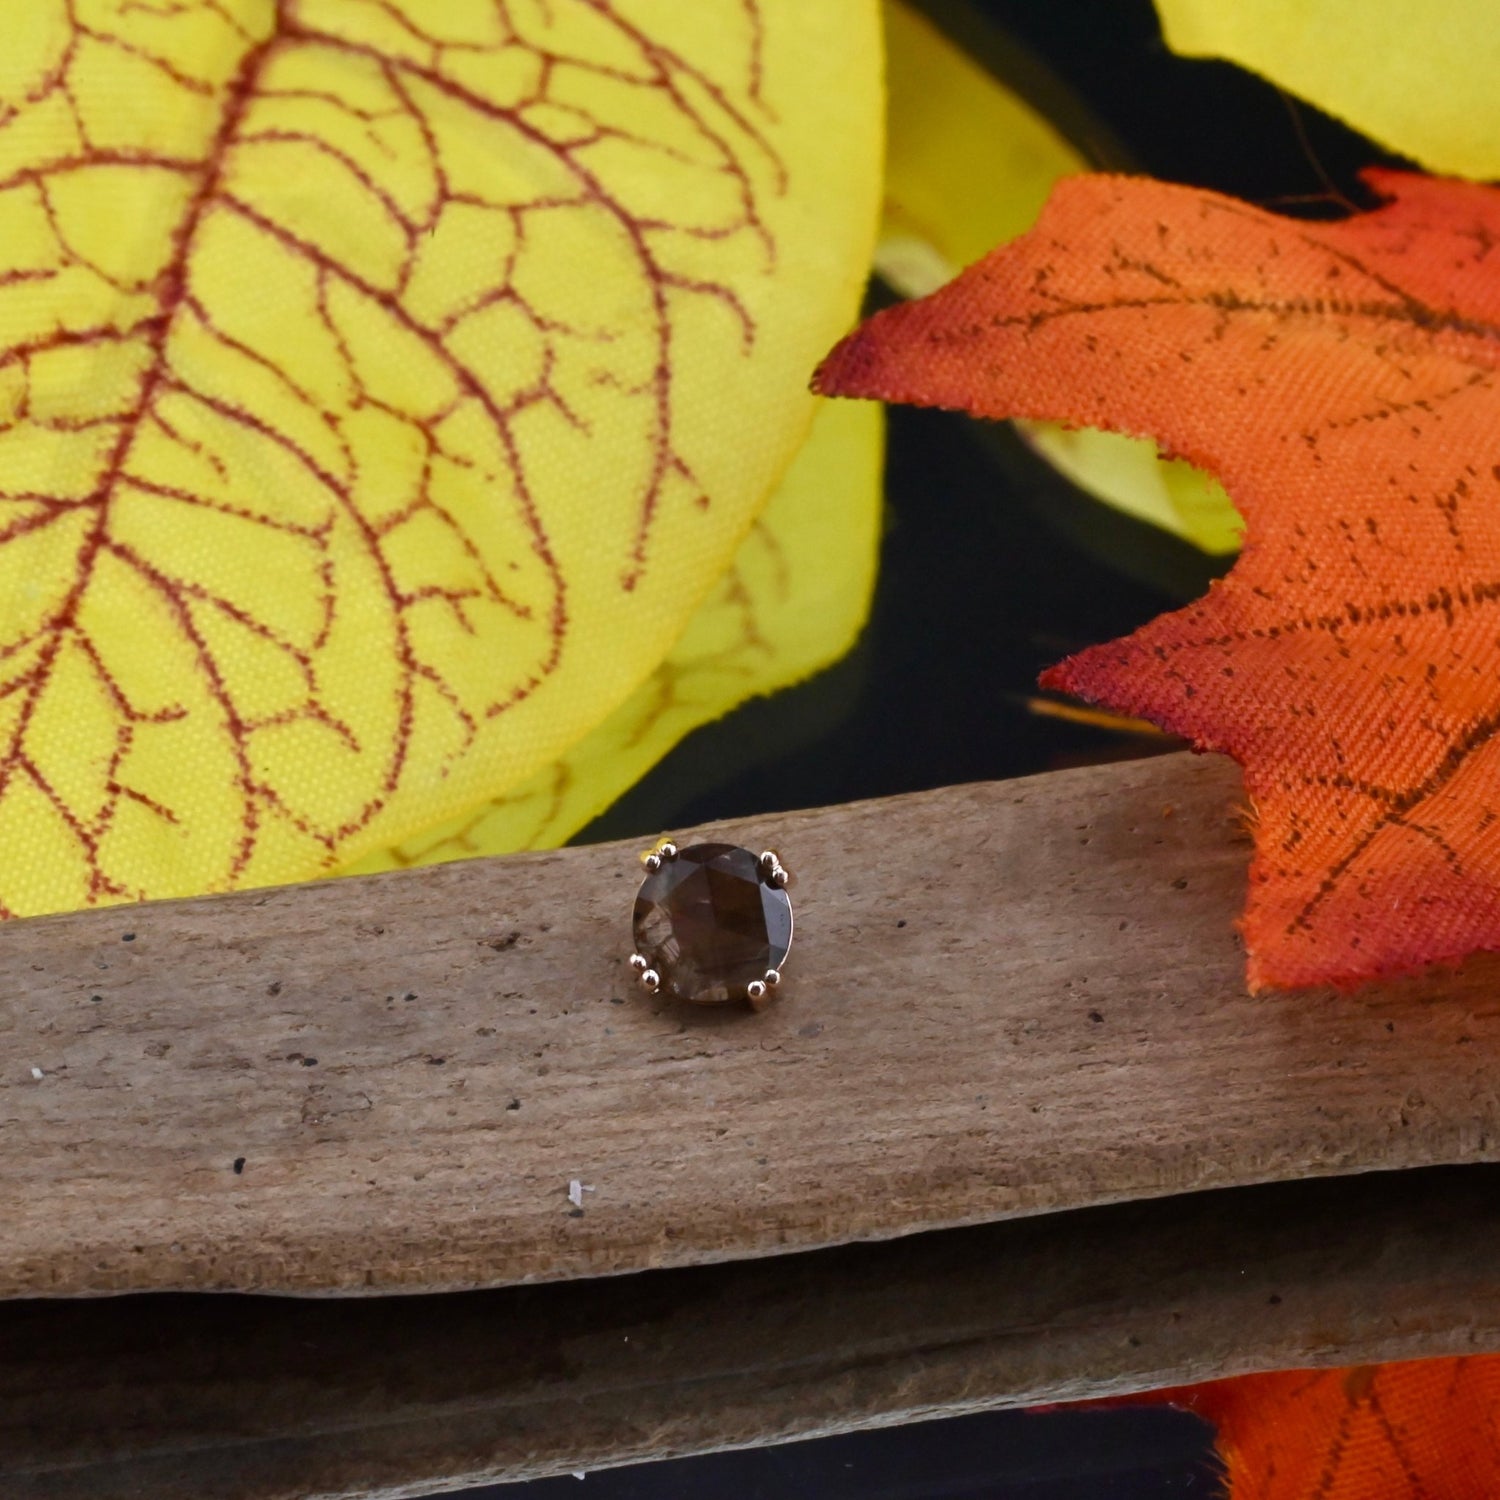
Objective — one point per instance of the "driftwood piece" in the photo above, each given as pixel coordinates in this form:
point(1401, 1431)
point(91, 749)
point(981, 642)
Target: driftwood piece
point(1004, 999)
point(245, 1398)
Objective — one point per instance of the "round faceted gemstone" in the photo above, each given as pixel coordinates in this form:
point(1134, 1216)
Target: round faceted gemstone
point(709, 924)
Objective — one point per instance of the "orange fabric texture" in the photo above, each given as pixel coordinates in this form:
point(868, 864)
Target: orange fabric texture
point(1340, 379)
point(1424, 1430)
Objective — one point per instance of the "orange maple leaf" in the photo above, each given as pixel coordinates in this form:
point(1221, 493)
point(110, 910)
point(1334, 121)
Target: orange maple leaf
point(1340, 379)
point(1427, 1428)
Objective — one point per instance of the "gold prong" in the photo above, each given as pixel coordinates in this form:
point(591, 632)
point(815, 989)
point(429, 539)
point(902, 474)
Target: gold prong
point(650, 981)
point(659, 854)
point(773, 978)
point(756, 992)
point(638, 964)
point(772, 871)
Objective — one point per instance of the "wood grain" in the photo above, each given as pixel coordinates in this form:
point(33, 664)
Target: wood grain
point(1004, 999)
point(253, 1398)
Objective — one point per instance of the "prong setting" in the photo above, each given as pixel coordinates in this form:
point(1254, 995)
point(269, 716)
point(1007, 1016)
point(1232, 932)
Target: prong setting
point(664, 853)
point(683, 912)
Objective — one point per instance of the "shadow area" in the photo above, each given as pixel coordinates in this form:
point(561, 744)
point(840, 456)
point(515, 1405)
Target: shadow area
point(254, 1398)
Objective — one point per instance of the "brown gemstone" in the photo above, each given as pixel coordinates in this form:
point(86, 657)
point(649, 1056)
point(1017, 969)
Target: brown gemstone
point(710, 924)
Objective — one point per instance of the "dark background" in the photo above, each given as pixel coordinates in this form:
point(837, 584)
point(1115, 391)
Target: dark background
point(992, 569)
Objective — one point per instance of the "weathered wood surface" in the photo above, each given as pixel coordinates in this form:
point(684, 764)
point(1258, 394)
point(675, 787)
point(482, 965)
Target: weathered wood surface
point(1004, 999)
point(244, 1398)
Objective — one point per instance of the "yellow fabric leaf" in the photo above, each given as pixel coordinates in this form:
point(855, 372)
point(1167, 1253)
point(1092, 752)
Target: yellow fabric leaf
point(969, 166)
point(793, 601)
point(1132, 476)
point(968, 163)
point(382, 387)
point(1420, 80)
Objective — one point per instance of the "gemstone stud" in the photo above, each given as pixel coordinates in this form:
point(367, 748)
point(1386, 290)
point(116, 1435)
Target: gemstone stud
point(713, 923)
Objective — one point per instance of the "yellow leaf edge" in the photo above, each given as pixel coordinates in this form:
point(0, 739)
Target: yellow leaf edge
point(792, 603)
point(969, 166)
point(1420, 82)
point(830, 211)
